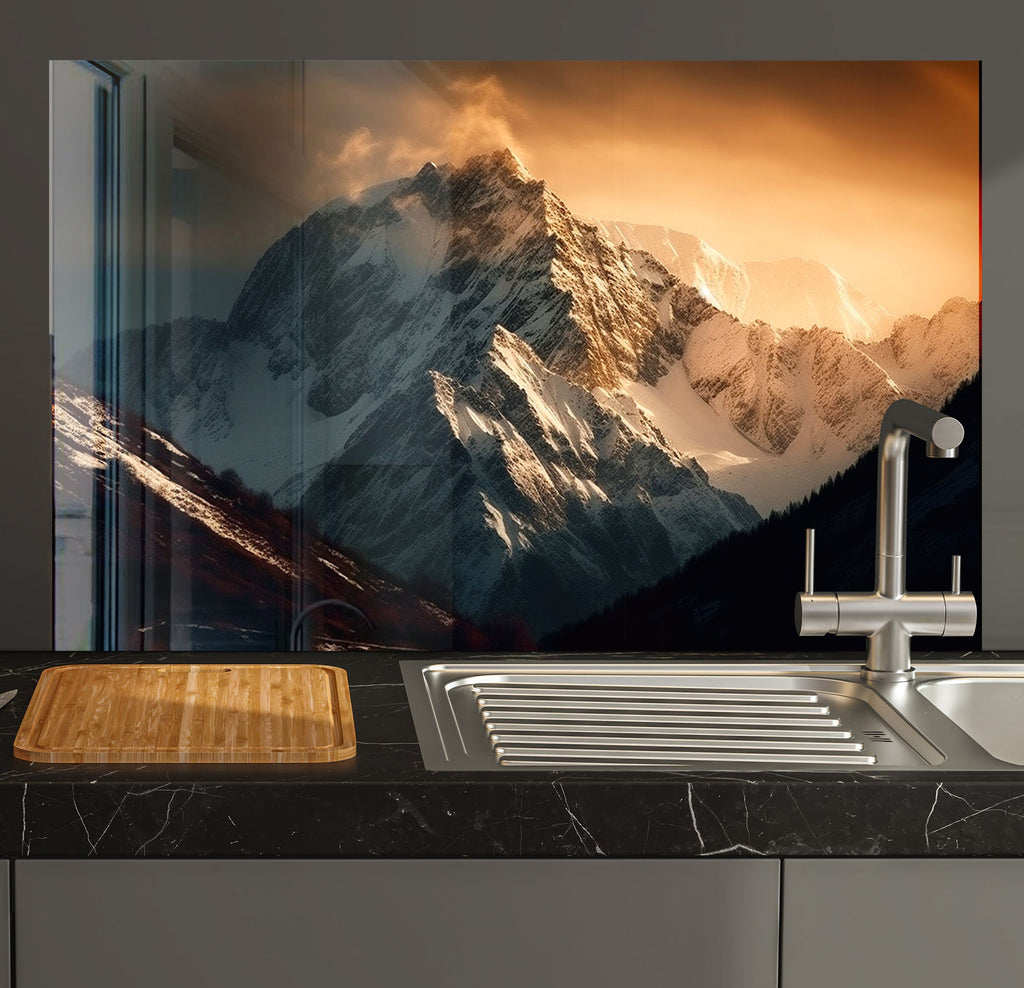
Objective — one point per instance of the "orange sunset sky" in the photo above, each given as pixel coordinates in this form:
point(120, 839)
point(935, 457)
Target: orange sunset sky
point(871, 167)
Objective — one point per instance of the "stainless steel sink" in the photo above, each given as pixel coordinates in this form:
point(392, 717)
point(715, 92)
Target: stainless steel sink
point(657, 713)
point(990, 710)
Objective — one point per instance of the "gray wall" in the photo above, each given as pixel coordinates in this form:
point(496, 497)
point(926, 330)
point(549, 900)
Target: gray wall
point(35, 32)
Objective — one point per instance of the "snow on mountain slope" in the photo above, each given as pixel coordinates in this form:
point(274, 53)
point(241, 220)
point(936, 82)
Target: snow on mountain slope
point(732, 461)
point(804, 403)
point(767, 380)
point(720, 281)
point(223, 399)
point(799, 292)
point(791, 292)
point(929, 358)
point(528, 493)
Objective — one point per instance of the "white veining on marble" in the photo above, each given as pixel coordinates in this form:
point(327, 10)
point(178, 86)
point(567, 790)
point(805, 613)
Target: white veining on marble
point(975, 811)
point(693, 815)
point(928, 819)
point(577, 824)
point(734, 847)
point(81, 819)
point(113, 817)
point(167, 819)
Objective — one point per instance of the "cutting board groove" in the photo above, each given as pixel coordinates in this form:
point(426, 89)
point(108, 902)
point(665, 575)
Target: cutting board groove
point(216, 712)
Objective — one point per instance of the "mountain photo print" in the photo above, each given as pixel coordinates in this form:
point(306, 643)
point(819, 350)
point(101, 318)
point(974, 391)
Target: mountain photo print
point(559, 355)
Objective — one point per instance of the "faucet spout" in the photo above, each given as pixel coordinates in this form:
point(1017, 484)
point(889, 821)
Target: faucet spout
point(943, 435)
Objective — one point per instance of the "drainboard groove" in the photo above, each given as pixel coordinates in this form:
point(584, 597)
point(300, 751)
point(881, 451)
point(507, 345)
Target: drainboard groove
point(662, 719)
point(596, 726)
point(497, 690)
point(609, 757)
point(507, 741)
point(665, 730)
point(711, 706)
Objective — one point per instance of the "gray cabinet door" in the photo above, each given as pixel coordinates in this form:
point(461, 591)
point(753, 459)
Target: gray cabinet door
point(939, 923)
point(397, 924)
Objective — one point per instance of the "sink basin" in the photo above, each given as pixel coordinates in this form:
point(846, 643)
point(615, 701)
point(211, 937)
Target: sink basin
point(629, 713)
point(990, 710)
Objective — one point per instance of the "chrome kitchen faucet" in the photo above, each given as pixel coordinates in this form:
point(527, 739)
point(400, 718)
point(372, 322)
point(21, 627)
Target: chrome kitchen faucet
point(889, 616)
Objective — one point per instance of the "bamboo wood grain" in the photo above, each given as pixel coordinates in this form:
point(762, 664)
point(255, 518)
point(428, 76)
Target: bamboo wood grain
point(217, 712)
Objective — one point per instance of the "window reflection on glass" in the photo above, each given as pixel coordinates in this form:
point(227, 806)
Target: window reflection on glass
point(82, 243)
point(219, 224)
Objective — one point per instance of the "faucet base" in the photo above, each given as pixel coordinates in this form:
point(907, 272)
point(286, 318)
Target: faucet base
point(887, 676)
point(888, 651)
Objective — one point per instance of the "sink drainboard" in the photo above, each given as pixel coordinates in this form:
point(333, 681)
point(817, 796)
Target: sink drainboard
point(481, 715)
point(549, 724)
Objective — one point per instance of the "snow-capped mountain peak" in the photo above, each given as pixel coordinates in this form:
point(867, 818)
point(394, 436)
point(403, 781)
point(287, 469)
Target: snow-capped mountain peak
point(504, 161)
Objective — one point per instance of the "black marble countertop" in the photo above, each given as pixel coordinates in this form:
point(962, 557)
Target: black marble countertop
point(384, 803)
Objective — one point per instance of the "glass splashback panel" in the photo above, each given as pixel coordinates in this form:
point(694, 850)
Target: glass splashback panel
point(501, 355)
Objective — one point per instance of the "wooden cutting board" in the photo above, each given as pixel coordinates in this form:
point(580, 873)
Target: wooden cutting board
point(188, 713)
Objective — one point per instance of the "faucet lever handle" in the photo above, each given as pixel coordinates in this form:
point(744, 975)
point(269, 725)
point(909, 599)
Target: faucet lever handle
point(956, 574)
point(809, 563)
